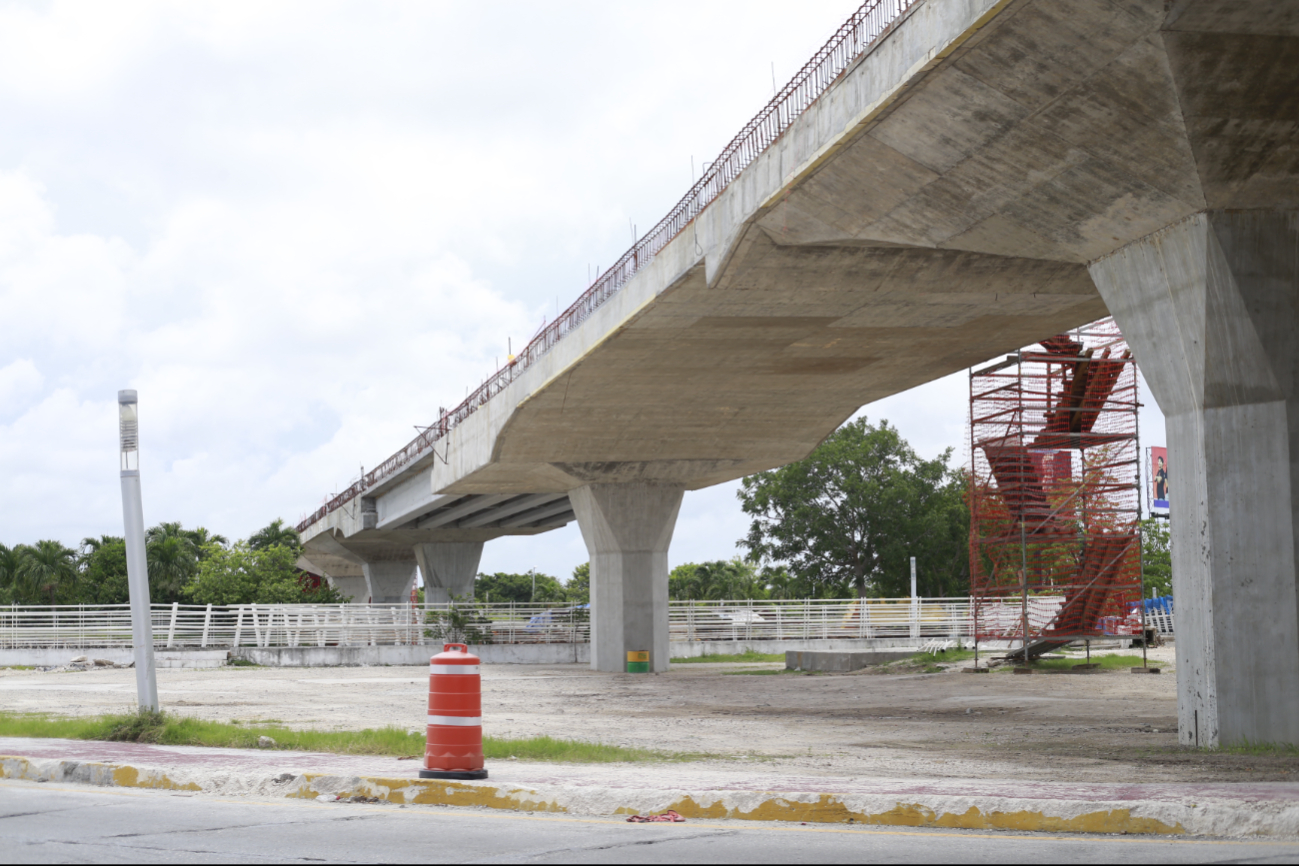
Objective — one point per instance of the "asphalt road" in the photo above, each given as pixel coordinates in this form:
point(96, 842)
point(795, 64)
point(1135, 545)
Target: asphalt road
point(52, 823)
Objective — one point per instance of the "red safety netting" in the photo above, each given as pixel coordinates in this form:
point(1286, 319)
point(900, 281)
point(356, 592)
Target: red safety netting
point(1054, 495)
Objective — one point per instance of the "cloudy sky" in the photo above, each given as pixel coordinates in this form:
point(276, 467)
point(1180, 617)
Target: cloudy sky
point(299, 228)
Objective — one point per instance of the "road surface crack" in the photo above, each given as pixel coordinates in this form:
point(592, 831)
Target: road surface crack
point(606, 847)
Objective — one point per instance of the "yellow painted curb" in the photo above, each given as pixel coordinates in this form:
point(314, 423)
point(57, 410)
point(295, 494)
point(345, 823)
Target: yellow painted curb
point(826, 809)
point(829, 809)
point(430, 792)
point(116, 775)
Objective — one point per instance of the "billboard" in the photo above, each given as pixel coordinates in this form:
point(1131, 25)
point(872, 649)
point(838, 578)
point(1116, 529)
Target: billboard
point(1158, 477)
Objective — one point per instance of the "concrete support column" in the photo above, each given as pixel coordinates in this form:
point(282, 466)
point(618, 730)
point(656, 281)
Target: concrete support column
point(390, 581)
point(1209, 306)
point(449, 569)
point(351, 586)
point(627, 529)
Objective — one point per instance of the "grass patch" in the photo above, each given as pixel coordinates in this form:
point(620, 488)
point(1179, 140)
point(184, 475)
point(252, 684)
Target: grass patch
point(170, 730)
point(1107, 662)
point(573, 751)
point(1278, 750)
point(732, 657)
point(241, 663)
point(770, 673)
point(19, 668)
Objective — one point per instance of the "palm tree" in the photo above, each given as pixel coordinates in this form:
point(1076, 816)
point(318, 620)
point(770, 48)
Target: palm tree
point(172, 561)
point(167, 530)
point(9, 570)
point(275, 534)
point(781, 584)
point(48, 568)
point(90, 545)
point(202, 538)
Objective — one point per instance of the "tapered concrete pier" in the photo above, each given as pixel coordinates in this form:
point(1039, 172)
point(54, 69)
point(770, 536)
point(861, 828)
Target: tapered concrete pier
point(1210, 305)
point(627, 529)
point(448, 569)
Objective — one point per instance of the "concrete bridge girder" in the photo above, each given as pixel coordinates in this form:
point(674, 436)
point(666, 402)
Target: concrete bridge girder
point(958, 193)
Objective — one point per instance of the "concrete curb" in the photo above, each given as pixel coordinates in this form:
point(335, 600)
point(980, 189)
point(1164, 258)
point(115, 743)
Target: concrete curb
point(1213, 817)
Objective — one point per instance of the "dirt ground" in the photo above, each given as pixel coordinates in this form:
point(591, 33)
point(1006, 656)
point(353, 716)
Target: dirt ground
point(1111, 726)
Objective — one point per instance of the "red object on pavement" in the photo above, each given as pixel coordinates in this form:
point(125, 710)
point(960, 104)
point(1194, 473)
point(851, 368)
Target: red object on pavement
point(454, 743)
point(670, 816)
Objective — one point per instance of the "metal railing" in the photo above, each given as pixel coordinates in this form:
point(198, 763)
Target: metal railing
point(862, 29)
point(179, 626)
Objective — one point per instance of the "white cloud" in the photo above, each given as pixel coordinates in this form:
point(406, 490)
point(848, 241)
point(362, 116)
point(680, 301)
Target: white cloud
point(18, 381)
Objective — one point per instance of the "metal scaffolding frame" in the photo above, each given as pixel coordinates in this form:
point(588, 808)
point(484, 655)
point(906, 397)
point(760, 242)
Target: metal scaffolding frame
point(1055, 493)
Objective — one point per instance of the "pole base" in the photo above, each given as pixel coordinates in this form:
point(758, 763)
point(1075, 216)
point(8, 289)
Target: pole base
point(463, 775)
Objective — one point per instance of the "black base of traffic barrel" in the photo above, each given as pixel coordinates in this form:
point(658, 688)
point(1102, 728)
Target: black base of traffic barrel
point(453, 774)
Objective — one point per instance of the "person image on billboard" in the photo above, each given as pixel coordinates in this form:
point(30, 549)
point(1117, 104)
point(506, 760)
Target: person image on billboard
point(1159, 476)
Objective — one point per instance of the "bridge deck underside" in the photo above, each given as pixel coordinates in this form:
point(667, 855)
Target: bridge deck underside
point(951, 224)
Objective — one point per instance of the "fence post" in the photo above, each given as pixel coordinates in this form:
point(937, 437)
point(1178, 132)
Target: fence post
point(239, 625)
point(171, 626)
point(207, 622)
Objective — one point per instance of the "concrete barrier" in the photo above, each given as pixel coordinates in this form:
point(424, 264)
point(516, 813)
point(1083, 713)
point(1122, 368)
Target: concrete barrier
point(821, 660)
point(533, 653)
point(419, 654)
point(43, 657)
point(375, 656)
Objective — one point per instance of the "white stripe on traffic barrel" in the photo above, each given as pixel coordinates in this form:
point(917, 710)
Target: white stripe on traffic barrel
point(453, 669)
point(457, 721)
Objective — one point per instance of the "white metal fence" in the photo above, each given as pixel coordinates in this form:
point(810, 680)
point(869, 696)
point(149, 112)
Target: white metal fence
point(205, 626)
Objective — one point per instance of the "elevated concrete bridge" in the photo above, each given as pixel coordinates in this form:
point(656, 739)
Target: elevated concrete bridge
point(947, 181)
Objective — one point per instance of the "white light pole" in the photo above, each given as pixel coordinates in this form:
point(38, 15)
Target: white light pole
point(137, 568)
point(915, 603)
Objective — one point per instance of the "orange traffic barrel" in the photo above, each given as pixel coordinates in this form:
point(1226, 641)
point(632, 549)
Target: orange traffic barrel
point(454, 745)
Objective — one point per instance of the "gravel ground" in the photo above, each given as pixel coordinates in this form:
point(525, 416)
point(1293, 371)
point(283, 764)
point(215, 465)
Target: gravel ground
point(1110, 726)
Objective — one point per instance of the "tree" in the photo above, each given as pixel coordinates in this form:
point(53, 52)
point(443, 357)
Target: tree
point(1157, 556)
point(173, 561)
point(856, 509)
point(720, 579)
point(48, 572)
point(202, 538)
point(240, 574)
point(518, 588)
point(9, 559)
point(275, 534)
point(781, 584)
point(578, 588)
point(103, 570)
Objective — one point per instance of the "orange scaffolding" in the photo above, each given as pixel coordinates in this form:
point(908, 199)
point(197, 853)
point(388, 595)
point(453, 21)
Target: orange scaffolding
point(1055, 544)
